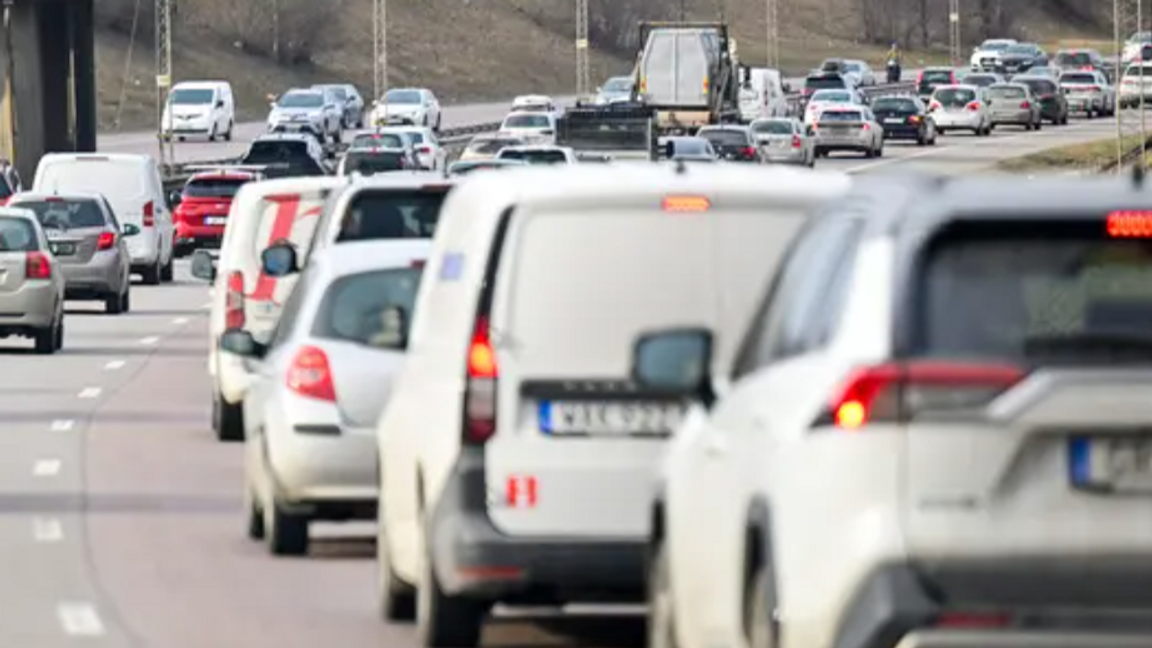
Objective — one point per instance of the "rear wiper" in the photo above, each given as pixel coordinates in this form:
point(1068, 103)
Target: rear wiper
point(1088, 342)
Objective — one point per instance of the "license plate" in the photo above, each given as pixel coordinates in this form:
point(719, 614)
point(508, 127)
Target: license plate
point(893, 120)
point(1111, 463)
point(617, 418)
point(62, 248)
point(215, 220)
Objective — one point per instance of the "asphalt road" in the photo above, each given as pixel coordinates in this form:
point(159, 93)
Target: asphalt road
point(120, 516)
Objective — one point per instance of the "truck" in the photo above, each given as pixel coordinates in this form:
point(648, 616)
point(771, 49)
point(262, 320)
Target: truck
point(610, 132)
point(688, 74)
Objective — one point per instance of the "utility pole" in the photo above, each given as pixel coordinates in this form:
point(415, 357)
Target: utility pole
point(379, 48)
point(1127, 18)
point(163, 76)
point(583, 65)
point(772, 42)
point(9, 146)
point(954, 46)
point(276, 30)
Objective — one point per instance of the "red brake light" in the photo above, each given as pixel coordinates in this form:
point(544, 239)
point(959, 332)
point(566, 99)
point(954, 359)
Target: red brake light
point(149, 214)
point(682, 204)
point(1094, 89)
point(915, 119)
point(889, 392)
point(424, 149)
point(106, 241)
point(37, 266)
point(796, 141)
point(1025, 105)
point(480, 391)
point(972, 620)
point(865, 126)
point(310, 375)
point(920, 77)
point(934, 105)
point(974, 105)
point(234, 301)
point(1130, 224)
point(750, 151)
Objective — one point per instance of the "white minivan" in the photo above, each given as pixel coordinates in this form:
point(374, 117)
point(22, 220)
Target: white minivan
point(133, 186)
point(517, 457)
point(200, 108)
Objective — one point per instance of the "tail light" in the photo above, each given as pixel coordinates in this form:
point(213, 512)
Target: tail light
point(234, 301)
point(895, 393)
point(106, 241)
point(149, 214)
point(1094, 89)
point(424, 149)
point(1025, 105)
point(915, 119)
point(934, 105)
point(749, 151)
point(706, 84)
point(310, 374)
point(795, 141)
point(973, 106)
point(37, 266)
point(480, 391)
point(866, 126)
point(919, 78)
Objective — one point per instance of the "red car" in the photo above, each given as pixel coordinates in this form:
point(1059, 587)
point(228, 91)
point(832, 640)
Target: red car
point(201, 210)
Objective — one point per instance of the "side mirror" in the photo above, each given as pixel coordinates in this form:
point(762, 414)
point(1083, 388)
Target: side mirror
point(787, 87)
point(129, 229)
point(670, 149)
point(675, 362)
point(241, 343)
point(220, 103)
point(203, 265)
point(174, 197)
point(393, 329)
point(279, 260)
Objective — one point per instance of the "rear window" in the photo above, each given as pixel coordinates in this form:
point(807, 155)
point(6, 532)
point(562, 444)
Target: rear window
point(824, 83)
point(213, 187)
point(895, 105)
point(982, 80)
point(527, 120)
point(270, 152)
point(841, 116)
point(772, 128)
point(535, 157)
point(726, 137)
point(102, 176)
point(17, 235)
point(954, 97)
point(1077, 58)
point(1006, 93)
point(1034, 292)
point(354, 307)
point(65, 214)
point(1134, 70)
point(376, 215)
point(381, 140)
point(372, 163)
point(1078, 78)
point(937, 76)
point(1040, 86)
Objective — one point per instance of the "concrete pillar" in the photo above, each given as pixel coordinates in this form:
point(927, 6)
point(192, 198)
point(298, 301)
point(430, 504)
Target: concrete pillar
point(7, 115)
point(84, 73)
point(27, 91)
point(55, 75)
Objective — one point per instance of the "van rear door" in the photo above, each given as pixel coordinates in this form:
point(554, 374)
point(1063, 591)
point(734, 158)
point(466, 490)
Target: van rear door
point(577, 285)
point(675, 69)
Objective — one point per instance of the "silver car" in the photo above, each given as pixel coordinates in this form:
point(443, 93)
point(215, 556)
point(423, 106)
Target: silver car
point(783, 140)
point(89, 244)
point(31, 284)
point(322, 381)
point(1013, 104)
point(1089, 92)
point(849, 128)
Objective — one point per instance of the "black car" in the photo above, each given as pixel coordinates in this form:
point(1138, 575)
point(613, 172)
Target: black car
point(1021, 57)
point(1053, 103)
point(283, 158)
point(904, 117)
point(821, 81)
point(982, 79)
point(931, 77)
point(734, 143)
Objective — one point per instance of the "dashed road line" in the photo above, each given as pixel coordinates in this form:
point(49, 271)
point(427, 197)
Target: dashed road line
point(151, 339)
point(46, 468)
point(62, 425)
point(47, 530)
point(89, 392)
point(79, 619)
point(113, 365)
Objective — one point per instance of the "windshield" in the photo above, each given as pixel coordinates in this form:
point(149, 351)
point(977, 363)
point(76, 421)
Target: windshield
point(773, 127)
point(937, 76)
point(720, 138)
point(1078, 78)
point(339, 92)
point(1006, 92)
point(989, 287)
point(821, 83)
point(191, 96)
point(17, 235)
point(618, 84)
point(1138, 70)
point(535, 156)
point(1021, 49)
point(402, 97)
point(1140, 38)
point(1070, 58)
point(955, 97)
point(213, 187)
point(853, 66)
point(825, 96)
point(841, 116)
point(527, 121)
point(301, 100)
point(374, 140)
point(994, 46)
point(65, 214)
point(894, 104)
point(392, 214)
point(367, 163)
point(355, 308)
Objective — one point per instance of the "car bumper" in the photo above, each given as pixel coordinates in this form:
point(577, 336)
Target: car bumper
point(966, 119)
point(783, 156)
point(472, 558)
point(902, 131)
point(199, 234)
point(1081, 104)
point(842, 143)
point(101, 276)
point(297, 127)
point(32, 306)
point(398, 120)
point(200, 126)
point(1016, 117)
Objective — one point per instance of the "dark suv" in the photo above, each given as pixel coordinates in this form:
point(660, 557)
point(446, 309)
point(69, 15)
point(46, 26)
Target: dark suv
point(904, 117)
point(1053, 103)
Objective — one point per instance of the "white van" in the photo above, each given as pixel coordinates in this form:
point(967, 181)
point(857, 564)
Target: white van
point(516, 456)
point(200, 108)
point(244, 297)
point(133, 186)
point(763, 95)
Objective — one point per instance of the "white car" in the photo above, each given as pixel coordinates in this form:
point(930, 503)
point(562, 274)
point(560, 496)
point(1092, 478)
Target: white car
point(960, 107)
point(535, 103)
point(822, 99)
point(912, 446)
point(530, 126)
point(515, 461)
point(986, 56)
point(201, 108)
point(320, 384)
point(315, 112)
point(407, 107)
point(1088, 91)
point(1134, 46)
point(539, 154)
point(848, 128)
point(426, 145)
point(1136, 82)
point(860, 72)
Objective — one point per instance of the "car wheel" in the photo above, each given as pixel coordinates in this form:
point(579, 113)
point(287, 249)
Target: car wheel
point(151, 274)
point(114, 303)
point(443, 620)
point(661, 605)
point(59, 339)
point(212, 134)
point(168, 271)
point(227, 419)
point(1064, 120)
point(1038, 125)
point(228, 133)
point(126, 298)
point(286, 533)
point(397, 598)
point(255, 524)
point(45, 340)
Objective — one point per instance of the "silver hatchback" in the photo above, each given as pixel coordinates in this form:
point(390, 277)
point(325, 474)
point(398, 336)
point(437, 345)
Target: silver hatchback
point(88, 243)
point(31, 285)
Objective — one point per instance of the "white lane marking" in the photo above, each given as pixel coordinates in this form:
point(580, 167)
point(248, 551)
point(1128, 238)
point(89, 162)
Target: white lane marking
point(151, 339)
point(113, 365)
point(46, 467)
point(89, 392)
point(79, 619)
point(62, 425)
point(47, 530)
point(180, 321)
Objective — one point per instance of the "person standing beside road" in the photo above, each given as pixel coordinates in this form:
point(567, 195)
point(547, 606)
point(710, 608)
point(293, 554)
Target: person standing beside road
point(895, 63)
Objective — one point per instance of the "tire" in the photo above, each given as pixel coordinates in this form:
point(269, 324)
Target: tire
point(1064, 120)
point(1038, 125)
point(228, 133)
point(397, 598)
point(286, 533)
point(212, 134)
point(114, 304)
point(444, 621)
point(151, 274)
point(255, 525)
point(880, 151)
point(45, 339)
point(227, 419)
point(661, 608)
point(167, 271)
point(757, 618)
point(59, 339)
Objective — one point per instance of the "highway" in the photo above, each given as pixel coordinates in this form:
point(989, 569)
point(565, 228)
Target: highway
point(122, 519)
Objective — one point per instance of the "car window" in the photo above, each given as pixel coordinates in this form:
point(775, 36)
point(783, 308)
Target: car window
point(371, 163)
point(213, 187)
point(955, 97)
point(373, 140)
point(191, 96)
point(823, 83)
point(895, 104)
point(841, 116)
point(534, 156)
point(725, 137)
point(61, 214)
point(290, 314)
point(774, 127)
point(1007, 92)
point(301, 100)
point(1040, 86)
point(1008, 289)
point(17, 235)
point(392, 214)
point(527, 120)
point(354, 307)
point(835, 97)
point(937, 76)
point(1078, 77)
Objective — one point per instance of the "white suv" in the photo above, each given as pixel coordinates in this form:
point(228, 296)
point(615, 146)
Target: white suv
point(937, 431)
